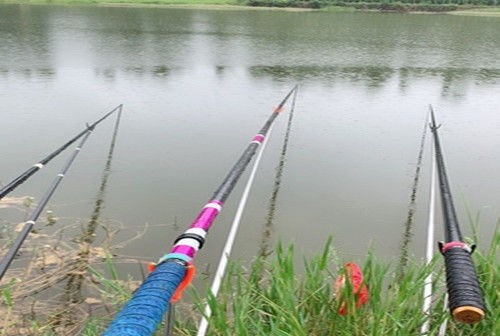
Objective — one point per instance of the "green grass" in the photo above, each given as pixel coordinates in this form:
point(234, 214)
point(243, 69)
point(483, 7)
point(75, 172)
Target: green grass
point(276, 297)
point(272, 298)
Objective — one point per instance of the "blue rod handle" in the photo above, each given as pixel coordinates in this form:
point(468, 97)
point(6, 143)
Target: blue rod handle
point(144, 311)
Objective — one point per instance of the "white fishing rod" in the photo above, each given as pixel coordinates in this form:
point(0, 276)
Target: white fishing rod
point(226, 252)
point(442, 327)
point(429, 254)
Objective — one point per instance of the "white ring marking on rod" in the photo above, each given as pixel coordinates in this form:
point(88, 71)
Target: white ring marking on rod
point(214, 206)
point(60, 175)
point(198, 231)
point(38, 165)
point(30, 222)
point(189, 242)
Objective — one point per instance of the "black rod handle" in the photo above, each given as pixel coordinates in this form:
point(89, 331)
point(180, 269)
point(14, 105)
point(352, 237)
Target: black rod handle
point(465, 296)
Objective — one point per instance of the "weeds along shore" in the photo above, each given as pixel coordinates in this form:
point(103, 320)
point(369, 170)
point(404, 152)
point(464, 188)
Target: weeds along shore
point(74, 288)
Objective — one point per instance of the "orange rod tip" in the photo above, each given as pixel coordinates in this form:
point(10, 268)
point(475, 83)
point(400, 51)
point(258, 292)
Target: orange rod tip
point(468, 314)
point(278, 110)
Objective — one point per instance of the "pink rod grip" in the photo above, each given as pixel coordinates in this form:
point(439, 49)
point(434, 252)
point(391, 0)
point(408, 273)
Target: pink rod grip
point(453, 244)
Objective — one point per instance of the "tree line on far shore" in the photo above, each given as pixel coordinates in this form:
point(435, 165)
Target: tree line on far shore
point(399, 5)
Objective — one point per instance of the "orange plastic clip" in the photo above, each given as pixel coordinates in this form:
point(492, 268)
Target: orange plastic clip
point(184, 283)
point(151, 267)
point(278, 110)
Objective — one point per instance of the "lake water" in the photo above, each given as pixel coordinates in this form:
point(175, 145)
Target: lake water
point(198, 84)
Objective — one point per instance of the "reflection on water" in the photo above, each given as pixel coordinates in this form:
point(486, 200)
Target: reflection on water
point(197, 83)
point(157, 71)
point(363, 48)
point(372, 76)
point(73, 289)
point(89, 233)
point(375, 76)
point(265, 248)
point(412, 207)
point(453, 80)
point(40, 73)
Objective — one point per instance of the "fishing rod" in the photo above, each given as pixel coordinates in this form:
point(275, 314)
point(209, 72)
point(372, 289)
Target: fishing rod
point(429, 254)
point(429, 250)
point(28, 226)
point(226, 251)
point(224, 259)
point(37, 166)
point(464, 294)
point(173, 272)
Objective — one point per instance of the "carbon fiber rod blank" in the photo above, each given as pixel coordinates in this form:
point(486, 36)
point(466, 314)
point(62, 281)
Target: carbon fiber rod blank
point(465, 296)
point(28, 226)
point(37, 166)
point(142, 313)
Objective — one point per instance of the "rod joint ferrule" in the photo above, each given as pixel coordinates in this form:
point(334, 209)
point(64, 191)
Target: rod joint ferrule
point(198, 238)
point(90, 127)
point(177, 258)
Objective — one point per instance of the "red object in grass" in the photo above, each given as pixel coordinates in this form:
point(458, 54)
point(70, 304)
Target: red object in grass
point(356, 278)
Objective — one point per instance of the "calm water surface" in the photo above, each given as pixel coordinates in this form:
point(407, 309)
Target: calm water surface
point(197, 84)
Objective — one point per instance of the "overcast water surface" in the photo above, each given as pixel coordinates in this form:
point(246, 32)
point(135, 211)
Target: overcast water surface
point(198, 84)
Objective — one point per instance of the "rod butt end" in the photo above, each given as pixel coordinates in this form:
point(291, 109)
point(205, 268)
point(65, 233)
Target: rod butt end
point(468, 314)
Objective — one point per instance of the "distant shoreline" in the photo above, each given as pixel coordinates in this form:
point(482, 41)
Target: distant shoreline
point(463, 10)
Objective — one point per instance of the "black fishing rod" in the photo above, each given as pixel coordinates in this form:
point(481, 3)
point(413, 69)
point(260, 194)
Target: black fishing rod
point(142, 313)
point(28, 226)
point(37, 166)
point(465, 296)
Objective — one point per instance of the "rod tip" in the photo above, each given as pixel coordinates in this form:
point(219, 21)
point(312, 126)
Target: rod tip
point(468, 314)
point(278, 109)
